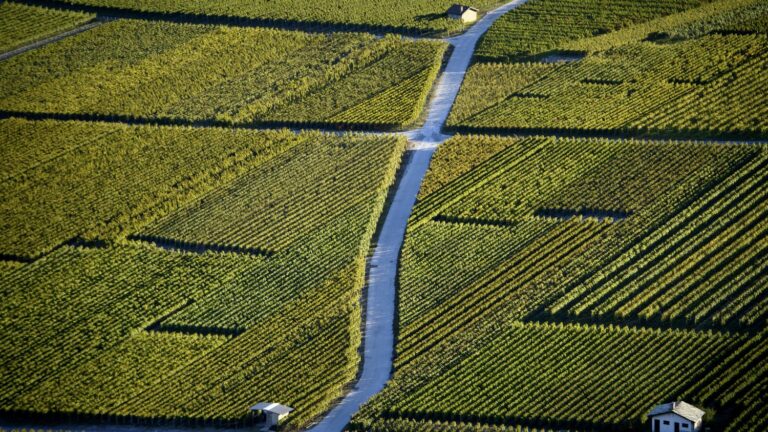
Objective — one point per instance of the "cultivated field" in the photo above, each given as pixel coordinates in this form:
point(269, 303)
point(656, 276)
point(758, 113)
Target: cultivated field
point(133, 310)
point(583, 238)
point(181, 73)
point(694, 74)
point(587, 273)
point(543, 25)
point(400, 16)
point(22, 24)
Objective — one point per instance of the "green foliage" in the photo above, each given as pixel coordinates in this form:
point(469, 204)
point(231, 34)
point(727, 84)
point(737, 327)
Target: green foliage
point(130, 327)
point(706, 86)
point(455, 157)
point(562, 173)
point(9, 266)
point(404, 16)
point(439, 259)
point(704, 264)
point(108, 184)
point(695, 73)
point(302, 357)
point(752, 419)
point(387, 106)
point(22, 24)
point(220, 75)
point(76, 304)
point(488, 84)
point(27, 145)
point(513, 245)
point(510, 188)
point(109, 379)
point(319, 179)
point(470, 180)
point(740, 16)
point(542, 25)
point(752, 18)
point(738, 378)
point(396, 101)
point(489, 284)
point(572, 368)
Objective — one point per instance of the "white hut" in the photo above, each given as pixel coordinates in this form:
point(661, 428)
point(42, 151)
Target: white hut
point(465, 14)
point(676, 417)
point(273, 412)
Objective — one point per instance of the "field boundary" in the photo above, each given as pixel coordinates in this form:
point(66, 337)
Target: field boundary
point(111, 12)
point(567, 214)
point(413, 134)
point(198, 248)
point(703, 136)
point(542, 316)
point(209, 123)
point(458, 220)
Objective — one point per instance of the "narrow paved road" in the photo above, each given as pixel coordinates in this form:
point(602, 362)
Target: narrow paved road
point(57, 37)
point(380, 309)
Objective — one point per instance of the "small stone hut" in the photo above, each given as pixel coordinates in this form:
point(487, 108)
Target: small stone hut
point(273, 412)
point(465, 14)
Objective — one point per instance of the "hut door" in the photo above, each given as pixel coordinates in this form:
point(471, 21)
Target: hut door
point(677, 427)
point(656, 425)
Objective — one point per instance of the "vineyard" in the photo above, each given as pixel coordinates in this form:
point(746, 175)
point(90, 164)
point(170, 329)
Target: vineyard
point(104, 182)
point(568, 239)
point(421, 17)
point(722, 16)
point(700, 87)
point(261, 210)
point(22, 24)
point(695, 74)
point(535, 359)
point(566, 377)
point(218, 75)
point(714, 266)
point(533, 262)
point(181, 329)
point(542, 25)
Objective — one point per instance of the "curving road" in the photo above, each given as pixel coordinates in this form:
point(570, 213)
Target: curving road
point(380, 308)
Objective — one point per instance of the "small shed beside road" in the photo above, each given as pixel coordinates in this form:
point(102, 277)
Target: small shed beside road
point(465, 14)
point(676, 417)
point(273, 412)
